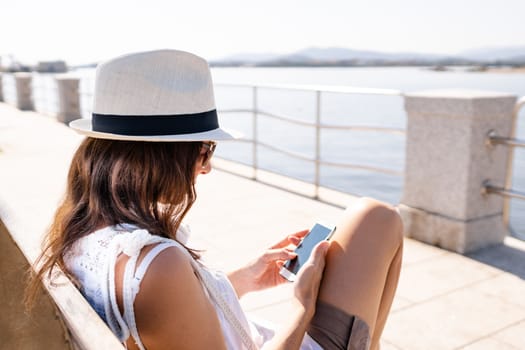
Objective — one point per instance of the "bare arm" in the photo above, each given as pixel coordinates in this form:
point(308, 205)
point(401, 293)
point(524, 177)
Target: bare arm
point(172, 310)
point(306, 288)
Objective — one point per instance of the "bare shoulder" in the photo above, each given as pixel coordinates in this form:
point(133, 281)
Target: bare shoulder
point(172, 261)
point(172, 309)
point(167, 280)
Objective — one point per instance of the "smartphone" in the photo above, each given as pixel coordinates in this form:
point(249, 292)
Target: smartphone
point(317, 234)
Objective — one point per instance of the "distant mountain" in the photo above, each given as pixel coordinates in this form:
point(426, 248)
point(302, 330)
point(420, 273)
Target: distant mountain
point(249, 57)
point(337, 56)
point(337, 53)
point(495, 53)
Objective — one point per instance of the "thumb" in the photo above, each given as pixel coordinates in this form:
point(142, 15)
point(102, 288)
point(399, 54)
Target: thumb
point(319, 253)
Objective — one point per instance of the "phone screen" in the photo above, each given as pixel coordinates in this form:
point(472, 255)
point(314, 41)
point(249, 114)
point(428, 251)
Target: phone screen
point(317, 234)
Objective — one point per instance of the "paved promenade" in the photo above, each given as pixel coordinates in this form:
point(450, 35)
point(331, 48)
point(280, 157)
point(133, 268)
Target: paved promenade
point(444, 300)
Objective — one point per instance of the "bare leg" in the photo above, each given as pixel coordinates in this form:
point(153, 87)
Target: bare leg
point(363, 264)
point(388, 296)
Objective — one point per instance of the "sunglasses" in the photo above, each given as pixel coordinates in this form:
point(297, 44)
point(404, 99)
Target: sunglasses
point(208, 148)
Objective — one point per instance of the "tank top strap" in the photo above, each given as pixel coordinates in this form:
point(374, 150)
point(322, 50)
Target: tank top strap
point(131, 286)
point(129, 243)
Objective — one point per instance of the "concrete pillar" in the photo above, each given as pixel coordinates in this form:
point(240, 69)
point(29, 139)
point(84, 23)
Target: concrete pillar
point(68, 98)
point(24, 96)
point(447, 160)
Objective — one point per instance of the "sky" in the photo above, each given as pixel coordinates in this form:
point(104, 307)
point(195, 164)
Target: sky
point(89, 31)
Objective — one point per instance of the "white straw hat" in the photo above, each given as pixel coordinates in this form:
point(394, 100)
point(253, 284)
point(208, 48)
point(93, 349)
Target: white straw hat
point(164, 95)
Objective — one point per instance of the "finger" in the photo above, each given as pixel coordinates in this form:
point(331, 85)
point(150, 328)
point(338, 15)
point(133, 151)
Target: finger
point(278, 254)
point(300, 234)
point(282, 243)
point(294, 238)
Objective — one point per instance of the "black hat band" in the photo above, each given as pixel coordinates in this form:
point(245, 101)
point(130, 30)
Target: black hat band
point(152, 125)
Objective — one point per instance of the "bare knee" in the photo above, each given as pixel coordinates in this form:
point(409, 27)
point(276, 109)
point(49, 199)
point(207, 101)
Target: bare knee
point(380, 220)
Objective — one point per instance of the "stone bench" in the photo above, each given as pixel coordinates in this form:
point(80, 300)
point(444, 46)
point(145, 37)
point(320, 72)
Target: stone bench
point(34, 158)
point(61, 319)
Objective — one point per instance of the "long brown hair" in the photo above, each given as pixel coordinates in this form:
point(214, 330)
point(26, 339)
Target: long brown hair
point(148, 184)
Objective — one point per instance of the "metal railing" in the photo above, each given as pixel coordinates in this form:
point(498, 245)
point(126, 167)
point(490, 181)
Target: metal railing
point(511, 142)
point(45, 94)
point(85, 90)
point(9, 88)
point(318, 125)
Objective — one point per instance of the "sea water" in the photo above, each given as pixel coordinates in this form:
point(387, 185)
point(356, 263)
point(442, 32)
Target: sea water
point(366, 148)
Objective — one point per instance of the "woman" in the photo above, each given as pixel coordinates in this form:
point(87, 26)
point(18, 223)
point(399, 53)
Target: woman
point(119, 231)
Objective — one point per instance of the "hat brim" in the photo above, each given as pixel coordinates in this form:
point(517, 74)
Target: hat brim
point(84, 127)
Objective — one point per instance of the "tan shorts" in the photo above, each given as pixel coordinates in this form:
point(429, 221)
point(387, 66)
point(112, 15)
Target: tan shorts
point(334, 329)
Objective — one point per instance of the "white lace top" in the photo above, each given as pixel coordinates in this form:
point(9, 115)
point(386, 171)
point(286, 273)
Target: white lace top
point(92, 261)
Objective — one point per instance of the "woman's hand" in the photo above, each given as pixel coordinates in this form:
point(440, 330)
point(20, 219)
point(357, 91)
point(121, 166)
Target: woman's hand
point(306, 286)
point(263, 272)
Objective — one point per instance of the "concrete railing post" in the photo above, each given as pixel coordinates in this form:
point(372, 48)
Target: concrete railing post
point(24, 96)
point(447, 161)
point(68, 99)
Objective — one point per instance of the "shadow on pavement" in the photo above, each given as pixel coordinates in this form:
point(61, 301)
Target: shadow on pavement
point(503, 257)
